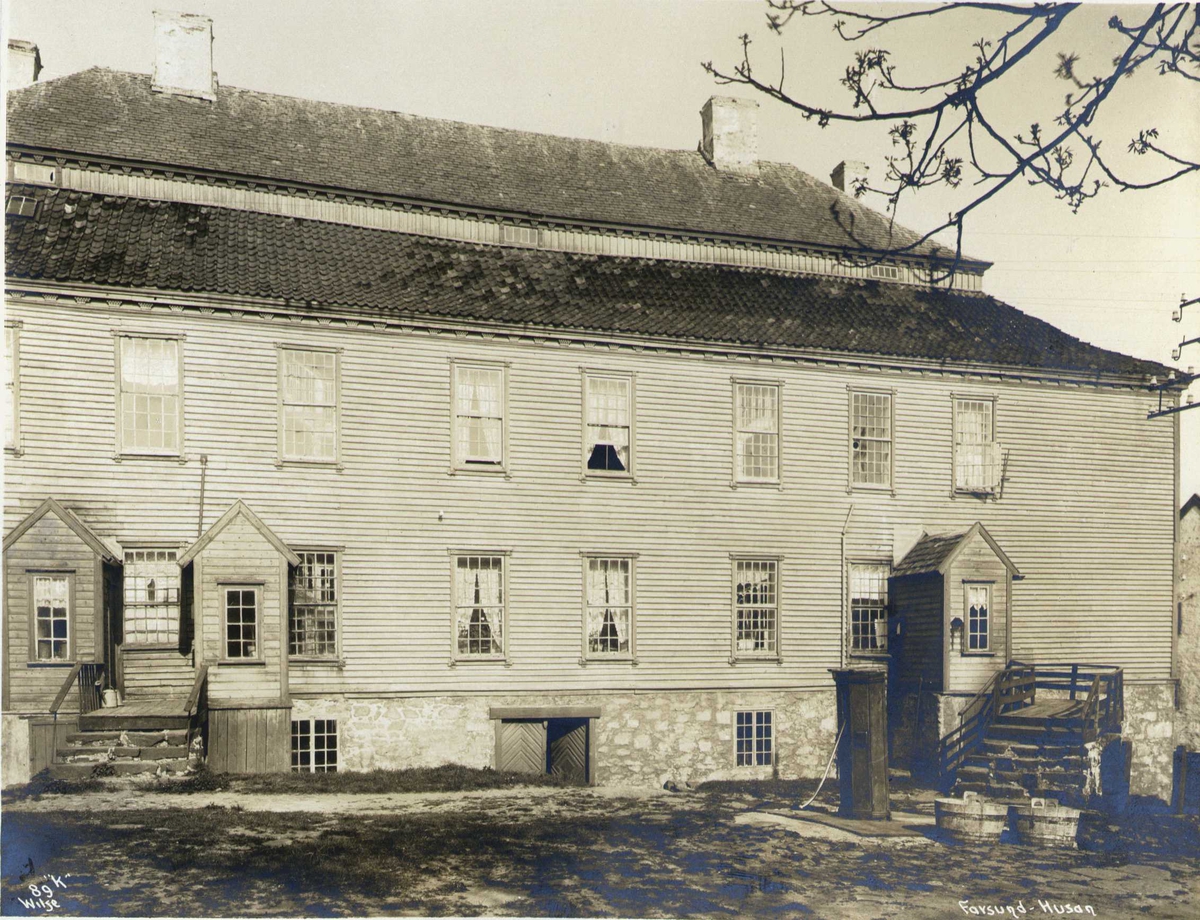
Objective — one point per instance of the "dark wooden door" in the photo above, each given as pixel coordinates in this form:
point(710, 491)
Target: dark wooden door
point(569, 749)
point(521, 746)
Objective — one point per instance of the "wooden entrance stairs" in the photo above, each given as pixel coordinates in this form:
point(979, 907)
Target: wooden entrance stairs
point(147, 735)
point(1015, 744)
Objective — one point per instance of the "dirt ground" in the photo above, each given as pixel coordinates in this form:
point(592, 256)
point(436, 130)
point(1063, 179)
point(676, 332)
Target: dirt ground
point(560, 852)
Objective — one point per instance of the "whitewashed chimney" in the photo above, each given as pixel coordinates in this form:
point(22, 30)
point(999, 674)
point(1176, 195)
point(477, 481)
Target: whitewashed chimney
point(730, 134)
point(24, 63)
point(183, 55)
point(847, 174)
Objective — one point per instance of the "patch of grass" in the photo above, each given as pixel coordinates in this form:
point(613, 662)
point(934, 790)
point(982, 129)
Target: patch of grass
point(45, 784)
point(447, 778)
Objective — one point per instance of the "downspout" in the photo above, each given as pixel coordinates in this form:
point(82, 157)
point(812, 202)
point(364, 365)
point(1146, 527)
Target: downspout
point(203, 478)
point(845, 599)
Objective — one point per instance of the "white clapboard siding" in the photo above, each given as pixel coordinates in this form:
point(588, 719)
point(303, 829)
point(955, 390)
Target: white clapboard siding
point(1087, 512)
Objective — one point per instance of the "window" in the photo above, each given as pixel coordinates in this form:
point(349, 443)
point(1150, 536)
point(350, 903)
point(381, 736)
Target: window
point(976, 458)
point(241, 622)
point(609, 607)
point(607, 424)
point(149, 400)
point(756, 606)
point(978, 622)
point(313, 612)
point(479, 397)
point(479, 606)
point(21, 206)
point(52, 617)
point(871, 439)
point(12, 401)
point(314, 746)
point(755, 747)
point(868, 607)
point(756, 424)
point(151, 597)
point(308, 387)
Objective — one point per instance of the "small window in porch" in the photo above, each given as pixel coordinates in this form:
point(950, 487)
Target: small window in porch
point(52, 617)
point(978, 618)
point(314, 746)
point(241, 623)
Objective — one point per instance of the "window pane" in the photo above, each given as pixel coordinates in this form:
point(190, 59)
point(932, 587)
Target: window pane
point(151, 589)
point(51, 602)
point(149, 394)
point(479, 605)
point(609, 606)
point(757, 605)
point(312, 625)
point(479, 414)
point(309, 405)
point(757, 423)
point(974, 457)
point(871, 434)
point(241, 623)
point(755, 739)
point(868, 604)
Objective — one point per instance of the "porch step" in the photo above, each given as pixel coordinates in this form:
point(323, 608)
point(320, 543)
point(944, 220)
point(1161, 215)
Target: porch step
point(120, 768)
point(100, 753)
point(135, 738)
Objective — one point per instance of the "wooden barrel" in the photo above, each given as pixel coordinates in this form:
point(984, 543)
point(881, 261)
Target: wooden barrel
point(971, 818)
point(1047, 823)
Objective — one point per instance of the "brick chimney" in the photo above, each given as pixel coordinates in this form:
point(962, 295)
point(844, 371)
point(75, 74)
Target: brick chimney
point(730, 138)
point(183, 55)
point(24, 63)
point(847, 174)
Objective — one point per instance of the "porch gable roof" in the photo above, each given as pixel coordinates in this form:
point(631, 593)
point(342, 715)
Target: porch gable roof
point(937, 552)
point(80, 529)
point(236, 510)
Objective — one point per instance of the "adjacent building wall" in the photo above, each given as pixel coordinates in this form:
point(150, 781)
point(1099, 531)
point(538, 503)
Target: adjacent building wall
point(1187, 666)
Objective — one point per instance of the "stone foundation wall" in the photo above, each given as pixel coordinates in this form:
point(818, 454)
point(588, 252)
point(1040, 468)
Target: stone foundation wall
point(1150, 728)
point(641, 739)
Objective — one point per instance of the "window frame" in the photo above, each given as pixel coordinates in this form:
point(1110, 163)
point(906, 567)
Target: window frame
point(852, 485)
point(145, 548)
point(122, 450)
point(755, 713)
point(964, 645)
point(772, 655)
point(955, 399)
point(457, 657)
point(336, 658)
point(851, 562)
point(13, 369)
point(587, 374)
point(457, 463)
point(258, 588)
point(586, 655)
point(311, 735)
point(738, 479)
point(281, 457)
point(31, 576)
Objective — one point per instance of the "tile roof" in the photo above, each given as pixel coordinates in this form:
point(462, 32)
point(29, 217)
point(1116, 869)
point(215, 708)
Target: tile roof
point(172, 246)
point(929, 553)
point(106, 113)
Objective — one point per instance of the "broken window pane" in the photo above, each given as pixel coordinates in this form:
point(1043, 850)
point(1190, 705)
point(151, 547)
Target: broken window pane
point(151, 593)
point(868, 606)
point(757, 605)
point(871, 439)
point(149, 395)
point(479, 605)
point(757, 424)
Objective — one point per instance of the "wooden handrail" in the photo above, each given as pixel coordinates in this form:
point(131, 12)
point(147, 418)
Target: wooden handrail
point(193, 699)
point(65, 688)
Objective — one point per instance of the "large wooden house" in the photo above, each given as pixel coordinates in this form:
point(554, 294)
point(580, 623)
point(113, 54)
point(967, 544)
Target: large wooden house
point(340, 438)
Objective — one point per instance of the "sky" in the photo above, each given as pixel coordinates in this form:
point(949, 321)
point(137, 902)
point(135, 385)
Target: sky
point(629, 71)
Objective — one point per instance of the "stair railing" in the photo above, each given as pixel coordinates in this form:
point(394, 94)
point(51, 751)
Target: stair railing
point(64, 690)
point(91, 687)
point(196, 708)
point(1013, 688)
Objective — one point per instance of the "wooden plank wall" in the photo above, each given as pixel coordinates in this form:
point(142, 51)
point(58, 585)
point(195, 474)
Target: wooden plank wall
point(1087, 512)
point(918, 600)
point(240, 554)
point(46, 735)
point(152, 673)
point(48, 545)
point(249, 740)
point(977, 562)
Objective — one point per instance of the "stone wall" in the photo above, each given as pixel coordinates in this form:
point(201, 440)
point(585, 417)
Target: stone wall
point(1150, 728)
point(1187, 649)
point(14, 743)
point(642, 739)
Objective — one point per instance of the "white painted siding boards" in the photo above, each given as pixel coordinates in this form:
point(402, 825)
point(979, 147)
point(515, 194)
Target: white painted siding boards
point(1087, 511)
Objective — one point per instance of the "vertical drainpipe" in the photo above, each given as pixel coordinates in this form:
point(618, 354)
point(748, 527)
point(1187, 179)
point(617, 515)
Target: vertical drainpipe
point(200, 513)
point(845, 598)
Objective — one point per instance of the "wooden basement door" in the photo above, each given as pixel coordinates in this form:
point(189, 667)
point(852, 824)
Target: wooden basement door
point(555, 746)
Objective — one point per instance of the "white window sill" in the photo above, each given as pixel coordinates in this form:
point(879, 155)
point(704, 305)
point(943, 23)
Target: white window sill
point(317, 662)
point(242, 662)
point(607, 659)
point(480, 660)
point(483, 469)
point(126, 455)
point(750, 658)
point(135, 647)
point(876, 655)
point(309, 464)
